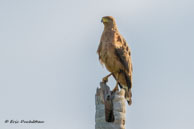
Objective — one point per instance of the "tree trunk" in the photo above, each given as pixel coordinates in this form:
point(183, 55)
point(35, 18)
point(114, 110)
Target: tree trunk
point(110, 108)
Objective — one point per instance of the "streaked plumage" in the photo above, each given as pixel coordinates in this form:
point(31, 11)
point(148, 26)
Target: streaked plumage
point(115, 54)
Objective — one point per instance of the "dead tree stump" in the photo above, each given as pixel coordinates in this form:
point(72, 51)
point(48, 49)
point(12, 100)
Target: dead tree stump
point(110, 108)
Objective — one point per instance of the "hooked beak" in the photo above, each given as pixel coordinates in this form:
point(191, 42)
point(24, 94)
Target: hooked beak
point(104, 20)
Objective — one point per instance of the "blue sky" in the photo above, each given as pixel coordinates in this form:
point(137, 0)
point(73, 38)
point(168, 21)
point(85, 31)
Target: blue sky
point(49, 69)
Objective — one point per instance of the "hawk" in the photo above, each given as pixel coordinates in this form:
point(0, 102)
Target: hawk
point(115, 54)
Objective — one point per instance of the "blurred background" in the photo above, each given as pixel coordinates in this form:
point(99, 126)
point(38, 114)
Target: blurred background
point(49, 69)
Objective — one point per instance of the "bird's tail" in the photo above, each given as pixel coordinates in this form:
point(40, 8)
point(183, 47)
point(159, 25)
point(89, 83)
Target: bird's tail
point(128, 96)
point(127, 88)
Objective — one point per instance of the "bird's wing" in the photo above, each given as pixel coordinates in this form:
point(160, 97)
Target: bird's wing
point(123, 53)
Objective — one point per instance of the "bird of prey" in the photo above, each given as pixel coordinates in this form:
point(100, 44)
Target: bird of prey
point(115, 54)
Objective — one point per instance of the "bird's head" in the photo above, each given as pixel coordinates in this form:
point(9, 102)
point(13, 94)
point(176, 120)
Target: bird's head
point(108, 21)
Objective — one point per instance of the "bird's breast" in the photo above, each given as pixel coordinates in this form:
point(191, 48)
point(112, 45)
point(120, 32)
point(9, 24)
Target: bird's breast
point(109, 58)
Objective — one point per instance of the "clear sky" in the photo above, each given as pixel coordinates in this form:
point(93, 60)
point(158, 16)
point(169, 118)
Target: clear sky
point(49, 69)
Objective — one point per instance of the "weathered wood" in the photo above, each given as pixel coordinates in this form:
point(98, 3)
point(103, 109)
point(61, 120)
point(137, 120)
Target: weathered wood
point(110, 108)
point(107, 97)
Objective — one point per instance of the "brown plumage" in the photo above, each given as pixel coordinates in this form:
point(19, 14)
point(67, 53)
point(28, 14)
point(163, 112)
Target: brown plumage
point(115, 54)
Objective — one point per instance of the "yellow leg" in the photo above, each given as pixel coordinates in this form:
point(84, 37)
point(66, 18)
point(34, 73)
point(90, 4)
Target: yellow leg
point(105, 79)
point(116, 87)
point(117, 84)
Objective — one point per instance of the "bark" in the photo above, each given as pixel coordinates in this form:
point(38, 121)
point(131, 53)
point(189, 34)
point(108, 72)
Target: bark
point(110, 108)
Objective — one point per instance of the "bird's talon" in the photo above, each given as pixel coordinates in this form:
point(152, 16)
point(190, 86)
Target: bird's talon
point(105, 80)
point(115, 89)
